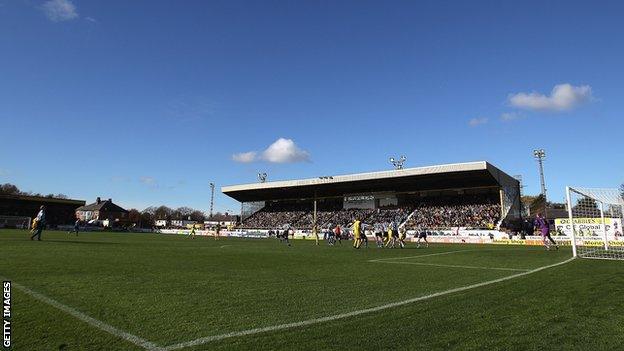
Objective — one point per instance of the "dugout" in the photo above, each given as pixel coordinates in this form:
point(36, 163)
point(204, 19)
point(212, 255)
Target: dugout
point(383, 189)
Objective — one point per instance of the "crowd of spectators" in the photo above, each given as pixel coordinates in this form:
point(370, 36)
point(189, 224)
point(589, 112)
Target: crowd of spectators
point(469, 215)
point(468, 211)
point(271, 219)
point(385, 217)
point(266, 219)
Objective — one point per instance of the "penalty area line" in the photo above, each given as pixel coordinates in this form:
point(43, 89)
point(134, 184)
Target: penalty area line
point(308, 322)
point(457, 266)
point(138, 341)
point(427, 255)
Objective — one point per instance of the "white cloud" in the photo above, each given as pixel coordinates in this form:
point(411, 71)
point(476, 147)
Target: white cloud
point(510, 116)
point(148, 180)
point(285, 151)
point(281, 151)
point(245, 157)
point(59, 10)
point(473, 122)
point(90, 19)
point(563, 97)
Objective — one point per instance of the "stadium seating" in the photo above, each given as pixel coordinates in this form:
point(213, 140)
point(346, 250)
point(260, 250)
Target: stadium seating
point(480, 216)
point(468, 211)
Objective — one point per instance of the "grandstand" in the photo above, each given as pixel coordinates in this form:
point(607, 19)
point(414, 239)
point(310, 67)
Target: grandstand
point(471, 195)
point(59, 211)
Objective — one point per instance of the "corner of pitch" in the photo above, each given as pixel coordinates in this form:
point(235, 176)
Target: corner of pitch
point(6, 314)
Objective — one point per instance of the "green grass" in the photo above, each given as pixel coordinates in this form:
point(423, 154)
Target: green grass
point(171, 289)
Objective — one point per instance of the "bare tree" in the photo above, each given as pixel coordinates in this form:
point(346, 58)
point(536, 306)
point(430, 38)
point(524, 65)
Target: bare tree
point(184, 212)
point(9, 189)
point(147, 219)
point(175, 214)
point(151, 210)
point(134, 216)
point(198, 216)
point(163, 212)
point(586, 206)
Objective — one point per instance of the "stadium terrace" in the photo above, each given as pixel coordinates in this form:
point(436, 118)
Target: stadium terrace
point(384, 196)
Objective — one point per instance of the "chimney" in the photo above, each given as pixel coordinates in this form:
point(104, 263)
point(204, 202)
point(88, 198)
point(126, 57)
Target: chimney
point(98, 201)
point(110, 200)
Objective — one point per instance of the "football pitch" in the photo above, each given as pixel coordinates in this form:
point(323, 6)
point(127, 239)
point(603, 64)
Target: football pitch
point(120, 291)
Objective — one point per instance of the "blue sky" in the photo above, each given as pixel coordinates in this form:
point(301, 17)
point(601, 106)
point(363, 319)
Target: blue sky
point(149, 101)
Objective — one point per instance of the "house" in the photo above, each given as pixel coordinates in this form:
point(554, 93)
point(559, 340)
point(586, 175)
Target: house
point(160, 223)
point(224, 220)
point(102, 212)
point(181, 223)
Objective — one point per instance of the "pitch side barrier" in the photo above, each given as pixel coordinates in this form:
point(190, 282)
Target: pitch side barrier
point(446, 236)
point(238, 233)
point(480, 236)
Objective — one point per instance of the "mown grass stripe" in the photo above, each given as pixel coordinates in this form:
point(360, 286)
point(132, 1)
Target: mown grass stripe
point(208, 339)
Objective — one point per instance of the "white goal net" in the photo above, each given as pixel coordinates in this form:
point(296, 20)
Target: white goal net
point(15, 222)
point(595, 222)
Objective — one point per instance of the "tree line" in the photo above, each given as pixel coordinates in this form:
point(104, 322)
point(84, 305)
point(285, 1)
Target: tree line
point(148, 217)
point(12, 189)
point(588, 205)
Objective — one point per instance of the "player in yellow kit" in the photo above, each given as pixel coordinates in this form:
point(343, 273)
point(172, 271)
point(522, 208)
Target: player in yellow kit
point(402, 236)
point(191, 234)
point(357, 232)
point(390, 237)
point(315, 233)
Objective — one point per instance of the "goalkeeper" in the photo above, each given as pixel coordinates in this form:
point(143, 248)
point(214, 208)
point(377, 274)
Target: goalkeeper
point(541, 224)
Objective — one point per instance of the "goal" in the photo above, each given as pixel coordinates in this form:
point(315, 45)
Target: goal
point(594, 222)
point(15, 222)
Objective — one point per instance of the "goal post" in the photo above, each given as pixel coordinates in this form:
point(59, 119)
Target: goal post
point(594, 222)
point(15, 222)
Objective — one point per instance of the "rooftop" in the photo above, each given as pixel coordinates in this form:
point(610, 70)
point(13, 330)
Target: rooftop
point(42, 199)
point(446, 176)
point(99, 205)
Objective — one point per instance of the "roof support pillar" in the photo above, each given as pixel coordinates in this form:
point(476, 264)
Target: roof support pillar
point(314, 218)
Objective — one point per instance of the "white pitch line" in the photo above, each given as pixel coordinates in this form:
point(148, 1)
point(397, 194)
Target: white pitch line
point(427, 255)
point(222, 246)
point(456, 266)
point(145, 344)
point(208, 339)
